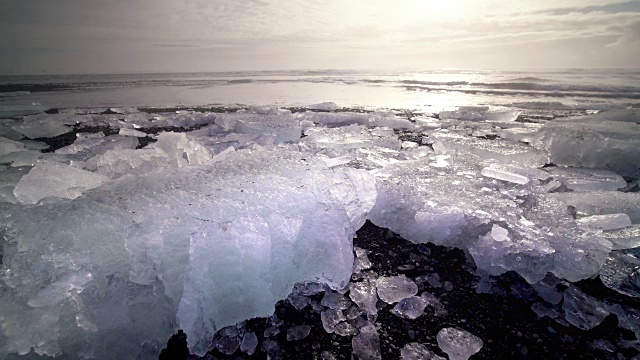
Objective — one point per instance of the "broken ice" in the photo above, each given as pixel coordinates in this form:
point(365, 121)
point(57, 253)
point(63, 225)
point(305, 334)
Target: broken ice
point(458, 344)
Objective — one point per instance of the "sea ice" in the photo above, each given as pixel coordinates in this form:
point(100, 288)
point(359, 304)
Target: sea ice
point(458, 344)
point(395, 288)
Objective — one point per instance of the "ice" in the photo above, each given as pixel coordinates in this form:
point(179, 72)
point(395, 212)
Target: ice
point(366, 345)
point(227, 340)
point(181, 150)
point(606, 222)
point(9, 111)
point(364, 295)
point(415, 200)
point(199, 247)
point(298, 333)
point(346, 329)
point(334, 300)
point(582, 310)
point(410, 308)
point(592, 143)
point(628, 318)
point(330, 318)
point(132, 132)
point(621, 272)
point(499, 149)
point(604, 203)
point(298, 301)
point(8, 146)
point(349, 137)
point(249, 343)
point(362, 261)
point(45, 125)
point(55, 179)
point(327, 106)
point(349, 118)
point(504, 175)
point(280, 128)
point(547, 289)
point(417, 351)
point(580, 179)
point(395, 288)
point(479, 113)
point(458, 344)
point(21, 158)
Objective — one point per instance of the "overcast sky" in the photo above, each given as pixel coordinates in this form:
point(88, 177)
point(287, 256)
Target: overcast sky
point(98, 36)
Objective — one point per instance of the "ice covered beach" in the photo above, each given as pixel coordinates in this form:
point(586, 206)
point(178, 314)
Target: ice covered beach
point(122, 225)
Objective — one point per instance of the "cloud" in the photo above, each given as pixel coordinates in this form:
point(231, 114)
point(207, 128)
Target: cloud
point(296, 33)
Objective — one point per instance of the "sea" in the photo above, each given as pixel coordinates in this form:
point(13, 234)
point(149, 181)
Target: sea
point(433, 90)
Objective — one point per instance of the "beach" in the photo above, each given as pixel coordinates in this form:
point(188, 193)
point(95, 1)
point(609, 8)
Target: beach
point(321, 215)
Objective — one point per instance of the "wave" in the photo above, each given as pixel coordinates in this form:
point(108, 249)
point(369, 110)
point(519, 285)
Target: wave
point(559, 94)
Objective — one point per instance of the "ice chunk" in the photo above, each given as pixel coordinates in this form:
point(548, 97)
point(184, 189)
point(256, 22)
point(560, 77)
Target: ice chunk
point(621, 272)
point(592, 143)
point(364, 295)
point(350, 137)
point(55, 179)
point(330, 318)
point(182, 151)
point(334, 300)
point(479, 113)
point(547, 289)
point(582, 310)
point(504, 175)
point(199, 247)
point(366, 345)
point(410, 308)
point(362, 261)
point(249, 343)
point(458, 344)
point(60, 290)
point(346, 329)
point(132, 132)
point(628, 318)
point(279, 127)
point(606, 222)
point(327, 106)
point(395, 288)
point(45, 125)
point(298, 301)
point(8, 146)
point(297, 333)
point(9, 111)
point(228, 340)
point(417, 351)
point(580, 179)
point(603, 203)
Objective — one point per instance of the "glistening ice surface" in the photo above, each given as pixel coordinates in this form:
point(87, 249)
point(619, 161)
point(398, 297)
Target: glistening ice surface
point(129, 231)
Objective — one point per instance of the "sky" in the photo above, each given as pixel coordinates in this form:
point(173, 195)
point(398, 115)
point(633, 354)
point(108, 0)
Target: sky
point(130, 36)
